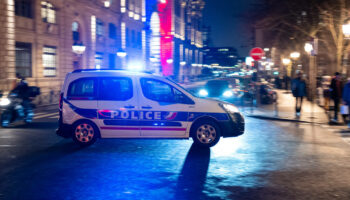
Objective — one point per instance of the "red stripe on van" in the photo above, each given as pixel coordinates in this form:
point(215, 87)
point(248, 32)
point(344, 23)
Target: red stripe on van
point(119, 128)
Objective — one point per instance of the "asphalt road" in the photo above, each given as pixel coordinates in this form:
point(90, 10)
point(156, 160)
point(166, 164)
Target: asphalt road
point(272, 160)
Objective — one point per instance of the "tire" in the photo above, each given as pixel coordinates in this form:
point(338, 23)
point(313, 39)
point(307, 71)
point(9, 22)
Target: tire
point(5, 119)
point(28, 117)
point(205, 133)
point(85, 133)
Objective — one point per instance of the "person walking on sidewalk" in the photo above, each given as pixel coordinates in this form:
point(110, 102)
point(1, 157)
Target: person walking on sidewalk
point(336, 94)
point(298, 91)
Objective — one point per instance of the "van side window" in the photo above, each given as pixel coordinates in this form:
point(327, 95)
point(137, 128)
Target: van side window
point(162, 92)
point(116, 88)
point(82, 89)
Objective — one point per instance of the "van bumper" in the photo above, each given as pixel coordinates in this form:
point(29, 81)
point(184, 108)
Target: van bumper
point(64, 130)
point(234, 127)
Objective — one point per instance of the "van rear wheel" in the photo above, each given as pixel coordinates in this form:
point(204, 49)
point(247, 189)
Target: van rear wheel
point(206, 133)
point(84, 133)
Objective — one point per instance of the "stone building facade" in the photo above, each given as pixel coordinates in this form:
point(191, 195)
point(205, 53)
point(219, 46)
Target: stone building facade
point(37, 39)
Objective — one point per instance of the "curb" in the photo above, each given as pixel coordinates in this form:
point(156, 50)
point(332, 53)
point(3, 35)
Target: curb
point(281, 119)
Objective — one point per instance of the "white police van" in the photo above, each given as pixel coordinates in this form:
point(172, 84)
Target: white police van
point(120, 104)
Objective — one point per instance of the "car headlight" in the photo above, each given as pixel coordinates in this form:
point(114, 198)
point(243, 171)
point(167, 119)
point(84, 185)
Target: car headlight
point(229, 108)
point(228, 94)
point(203, 93)
point(4, 101)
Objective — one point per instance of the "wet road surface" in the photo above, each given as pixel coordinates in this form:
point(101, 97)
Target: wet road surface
point(270, 161)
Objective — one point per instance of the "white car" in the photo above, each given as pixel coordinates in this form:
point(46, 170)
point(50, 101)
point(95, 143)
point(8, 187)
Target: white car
point(120, 104)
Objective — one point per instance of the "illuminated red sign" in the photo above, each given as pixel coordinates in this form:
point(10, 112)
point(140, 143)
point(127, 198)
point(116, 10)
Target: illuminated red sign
point(166, 41)
point(257, 53)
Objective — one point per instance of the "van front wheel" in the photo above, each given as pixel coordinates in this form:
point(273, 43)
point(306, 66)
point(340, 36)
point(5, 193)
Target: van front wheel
point(84, 133)
point(206, 133)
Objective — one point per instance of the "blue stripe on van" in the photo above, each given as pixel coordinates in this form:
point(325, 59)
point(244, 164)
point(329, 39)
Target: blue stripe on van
point(144, 115)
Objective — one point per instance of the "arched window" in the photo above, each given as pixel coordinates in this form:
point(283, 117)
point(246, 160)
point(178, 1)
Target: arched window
point(48, 12)
point(76, 32)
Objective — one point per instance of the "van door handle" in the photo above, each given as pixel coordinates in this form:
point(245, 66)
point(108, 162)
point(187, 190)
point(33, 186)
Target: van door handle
point(146, 107)
point(129, 106)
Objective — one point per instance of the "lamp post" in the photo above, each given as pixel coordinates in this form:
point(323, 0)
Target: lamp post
point(346, 32)
point(309, 49)
point(295, 56)
point(286, 62)
point(122, 54)
point(78, 49)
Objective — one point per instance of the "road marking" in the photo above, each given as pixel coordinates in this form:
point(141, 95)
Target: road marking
point(47, 115)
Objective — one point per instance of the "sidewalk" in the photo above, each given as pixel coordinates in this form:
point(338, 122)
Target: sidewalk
point(284, 110)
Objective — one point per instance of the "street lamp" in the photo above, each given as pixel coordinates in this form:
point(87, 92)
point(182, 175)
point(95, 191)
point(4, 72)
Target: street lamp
point(346, 30)
point(286, 61)
point(295, 55)
point(308, 48)
point(169, 61)
point(78, 49)
point(121, 53)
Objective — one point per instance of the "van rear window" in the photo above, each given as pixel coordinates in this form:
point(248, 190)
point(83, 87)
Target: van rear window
point(82, 89)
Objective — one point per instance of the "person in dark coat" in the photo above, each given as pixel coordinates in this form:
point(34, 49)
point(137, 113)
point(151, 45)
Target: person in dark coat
point(336, 93)
point(298, 87)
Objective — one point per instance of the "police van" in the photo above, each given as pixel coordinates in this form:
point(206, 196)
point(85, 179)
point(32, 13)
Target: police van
point(121, 104)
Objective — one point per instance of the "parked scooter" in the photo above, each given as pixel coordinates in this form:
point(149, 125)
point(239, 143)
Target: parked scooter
point(15, 109)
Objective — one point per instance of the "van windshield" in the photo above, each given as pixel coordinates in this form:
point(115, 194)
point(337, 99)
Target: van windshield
point(193, 93)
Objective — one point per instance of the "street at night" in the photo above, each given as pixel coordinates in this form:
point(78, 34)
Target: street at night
point(174, 99)
point(272, 160)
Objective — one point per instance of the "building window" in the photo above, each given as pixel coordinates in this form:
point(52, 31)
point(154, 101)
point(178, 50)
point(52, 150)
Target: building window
point(139, 40)
point(127, 38)
point(75, 31)
point(111, 60)
point(112, 31)
point(98, 60)
point(23, 8)
point(24, 59)
point(99, 27)
point(133, 42)
point(49, 61)
point(123, 35)
point(48, 12)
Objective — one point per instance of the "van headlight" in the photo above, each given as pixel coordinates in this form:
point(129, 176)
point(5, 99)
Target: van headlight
point(4, 101)
point(203, 93)
point(228, 94)
point(229, 108)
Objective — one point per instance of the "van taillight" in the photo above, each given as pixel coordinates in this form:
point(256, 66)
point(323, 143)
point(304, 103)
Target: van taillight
point(60, 104)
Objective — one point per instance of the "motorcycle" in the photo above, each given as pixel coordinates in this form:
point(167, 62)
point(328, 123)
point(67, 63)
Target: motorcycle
point(15, 109)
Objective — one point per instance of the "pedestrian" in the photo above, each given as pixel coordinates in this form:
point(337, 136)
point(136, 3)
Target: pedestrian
point(336, 94)
point(346, 100)
point(326, 96)
point(299, 92)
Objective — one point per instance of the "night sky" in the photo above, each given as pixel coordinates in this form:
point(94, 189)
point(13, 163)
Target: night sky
point(228, 30)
